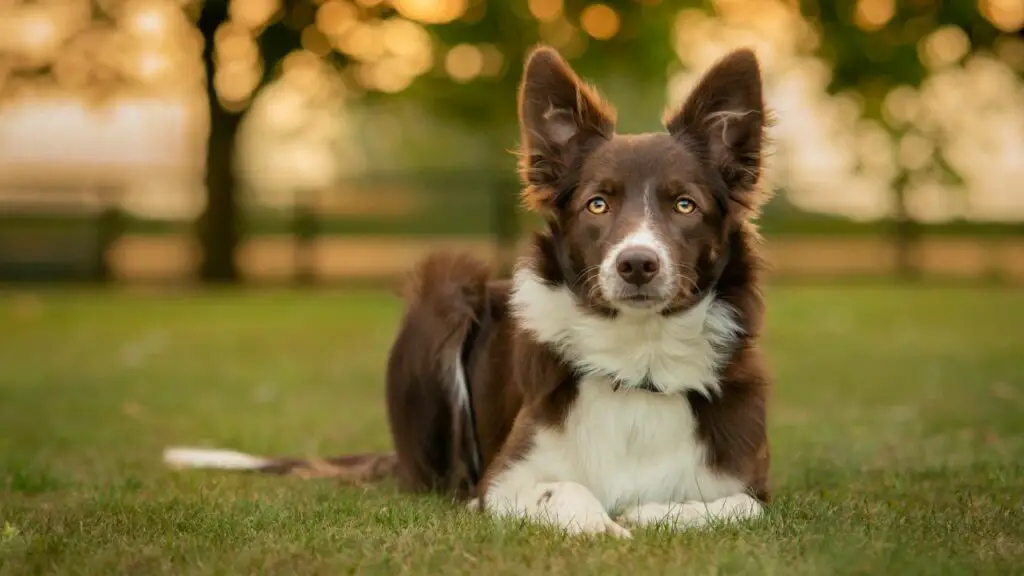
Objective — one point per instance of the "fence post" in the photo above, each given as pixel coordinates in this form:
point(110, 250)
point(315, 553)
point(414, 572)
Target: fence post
point(305, 228)
point(506, 223)
point(905, 233)
point(110, 226)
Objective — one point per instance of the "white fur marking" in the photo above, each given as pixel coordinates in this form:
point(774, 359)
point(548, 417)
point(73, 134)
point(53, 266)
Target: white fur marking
point(679, 352)
point(560, 124)
point(681, 516)
point(624, 447)
point(648, 211)
point(183, 457)
point(566, 505)
point(723, 117)
point(461, 394)
point(644, 236)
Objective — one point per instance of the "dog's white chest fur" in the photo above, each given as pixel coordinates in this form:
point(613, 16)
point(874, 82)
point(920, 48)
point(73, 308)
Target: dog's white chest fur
point(627, 447)
point(625, 450)
point(675, 353)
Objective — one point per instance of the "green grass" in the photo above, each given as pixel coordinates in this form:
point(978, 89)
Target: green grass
point(897, 427)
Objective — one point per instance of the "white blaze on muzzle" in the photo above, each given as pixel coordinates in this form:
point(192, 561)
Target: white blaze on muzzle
point(645, 238)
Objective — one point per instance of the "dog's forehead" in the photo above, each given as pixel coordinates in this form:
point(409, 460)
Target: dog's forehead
point(640, 159)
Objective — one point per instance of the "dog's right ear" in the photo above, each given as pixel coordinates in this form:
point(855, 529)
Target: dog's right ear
point(561, 120)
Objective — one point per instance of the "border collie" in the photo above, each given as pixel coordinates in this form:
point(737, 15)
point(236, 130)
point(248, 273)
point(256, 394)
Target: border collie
point(615, 380)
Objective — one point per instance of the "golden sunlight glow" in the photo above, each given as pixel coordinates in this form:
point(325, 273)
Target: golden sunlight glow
point(404, 38)
point(945, 46)
point(431, 11)
point(152, 66)
point(146, 19)
point(363, 42)
point(235, 84)
point(545, 10)
point(253, 14)
point(300, 62)
point(900, 106)
point(36, 33)
point(872, 15)
point(494, 60)
point(827, 156)
point(236, 46)
point(600, 21)
point(391, 75)
point(409, 49)
point(1006, 15)
point(915, 151)
point(464, 62)
point(334, 17)
point(132, 135)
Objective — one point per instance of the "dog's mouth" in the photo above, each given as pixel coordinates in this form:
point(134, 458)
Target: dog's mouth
point(639, 299)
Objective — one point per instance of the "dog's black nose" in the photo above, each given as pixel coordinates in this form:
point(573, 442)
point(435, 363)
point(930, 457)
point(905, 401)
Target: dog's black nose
point(637, 266)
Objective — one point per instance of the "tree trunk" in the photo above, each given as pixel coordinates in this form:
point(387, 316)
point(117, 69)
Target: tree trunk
point(219, 232)
point(905, 233)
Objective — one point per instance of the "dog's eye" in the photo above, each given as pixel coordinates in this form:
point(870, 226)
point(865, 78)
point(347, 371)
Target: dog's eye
point(685, 205)
point(597, 205)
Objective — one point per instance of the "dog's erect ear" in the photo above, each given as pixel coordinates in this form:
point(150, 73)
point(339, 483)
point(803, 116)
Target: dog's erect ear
point(725, 113)
point(561, 119)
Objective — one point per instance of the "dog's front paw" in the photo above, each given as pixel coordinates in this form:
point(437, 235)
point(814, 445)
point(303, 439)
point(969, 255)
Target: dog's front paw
point(683, 515)
point(673, 514)
point(572, 507)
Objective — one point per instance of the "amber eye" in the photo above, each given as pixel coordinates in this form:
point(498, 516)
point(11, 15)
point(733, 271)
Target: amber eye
point(685, 206)
point(597, 205)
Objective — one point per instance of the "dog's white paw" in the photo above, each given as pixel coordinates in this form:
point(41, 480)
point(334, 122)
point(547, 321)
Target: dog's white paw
point(673, 514)
point(681, 516)
point(572, 507)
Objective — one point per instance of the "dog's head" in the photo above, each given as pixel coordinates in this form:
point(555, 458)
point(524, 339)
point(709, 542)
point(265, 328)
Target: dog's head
point(639, 221)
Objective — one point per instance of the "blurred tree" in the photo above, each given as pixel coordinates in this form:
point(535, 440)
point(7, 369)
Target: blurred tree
point(99, 51)
point(461, 56)
point(880, 47)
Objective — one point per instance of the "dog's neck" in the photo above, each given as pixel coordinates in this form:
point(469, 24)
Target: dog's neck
point(635, 350)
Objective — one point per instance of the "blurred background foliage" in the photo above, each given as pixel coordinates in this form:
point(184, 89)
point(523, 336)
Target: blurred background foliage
point(228, 140)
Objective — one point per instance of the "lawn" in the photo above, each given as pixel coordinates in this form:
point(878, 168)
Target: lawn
point(897, 427)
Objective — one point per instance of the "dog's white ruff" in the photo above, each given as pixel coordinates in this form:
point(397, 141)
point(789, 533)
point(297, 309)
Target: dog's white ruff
point(626, 451)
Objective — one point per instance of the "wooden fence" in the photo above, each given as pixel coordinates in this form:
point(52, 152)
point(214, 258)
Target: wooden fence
point(375, 227)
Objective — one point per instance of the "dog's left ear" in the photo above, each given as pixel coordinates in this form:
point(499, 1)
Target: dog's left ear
point(725, 114)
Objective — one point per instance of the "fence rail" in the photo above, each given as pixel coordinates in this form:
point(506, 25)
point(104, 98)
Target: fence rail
point(375, 226)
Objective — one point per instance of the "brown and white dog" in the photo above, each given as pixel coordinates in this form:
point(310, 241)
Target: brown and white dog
point(615, 380)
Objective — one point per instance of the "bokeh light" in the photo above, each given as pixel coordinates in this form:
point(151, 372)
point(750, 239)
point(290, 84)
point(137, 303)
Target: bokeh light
point(874, 14)
point(1006, 15)
point(431, 11)
point(600, 21)
point(464, 62)
point(545, 10)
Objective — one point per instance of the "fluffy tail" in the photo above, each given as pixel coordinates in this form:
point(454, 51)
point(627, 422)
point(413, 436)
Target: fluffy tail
point(355, 468)
point(429, 393)
point(429, 397)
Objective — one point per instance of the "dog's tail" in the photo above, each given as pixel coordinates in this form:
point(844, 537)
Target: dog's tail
point(428, 393)
point(354, 468)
